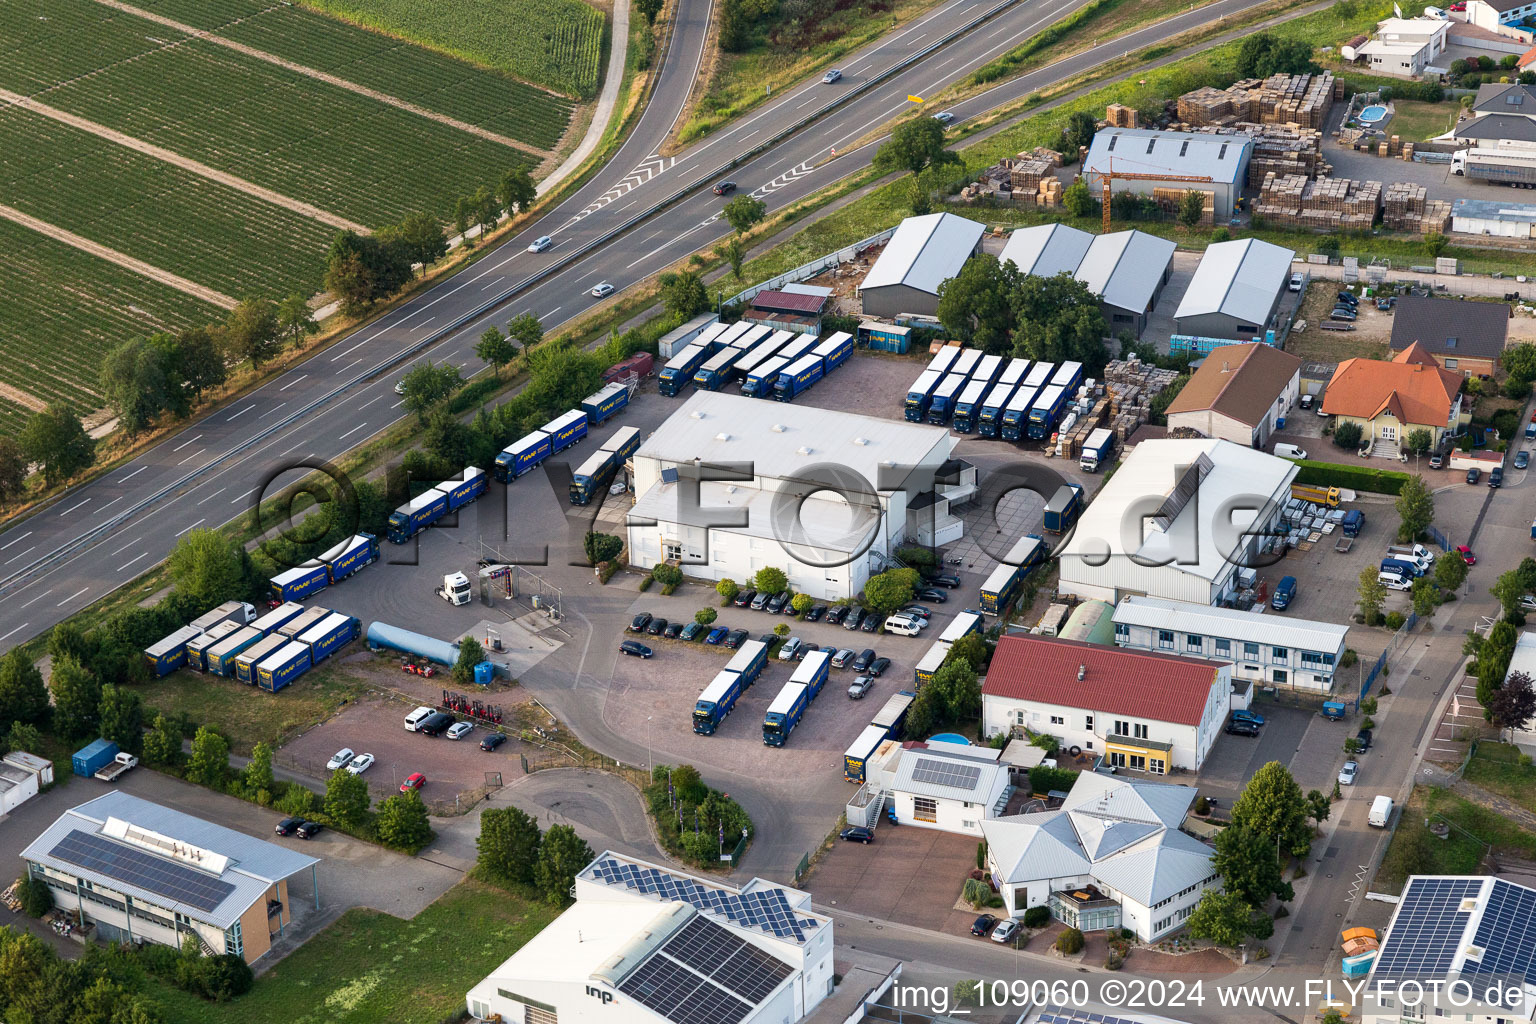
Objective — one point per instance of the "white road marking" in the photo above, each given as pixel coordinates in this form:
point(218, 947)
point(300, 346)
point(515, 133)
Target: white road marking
point(272, 410)
point(242, 412)
point(370, 401)
point(247, 494)
point(13, 558)
point(17, 540)
point(185, 529)
point(186, 442)
point(354, 430)
point(215, 494)
point(71, 508)
point(71, 597)
point(39, 597)
point(131, 561)
point(109, 504)
point(291, 383)
point(18, 629)
point(299, 445)
point(130, 476)
point(125, 547)
point(189, 458)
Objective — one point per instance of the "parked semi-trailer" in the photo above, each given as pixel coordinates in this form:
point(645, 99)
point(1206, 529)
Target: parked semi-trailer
point(196, 647)
point(1068, 376)
point(565, 430)
point(356, 552)
point(965, 362)
point(285, 612)
point(301, 581)
point(785, 712)
point(931, 661)
point(1499, 166)
point(220, 658)
point(759, 383)
point(608, 402)
point(716, 370)
point(329, 635)
point(813, 671)
point(1016, 412)
point(802, 345)
point(748, 661)
point(1004, 582)
point(1039, 375)
point(170, 653)
point(1014, 372)
point(968, 405)
point(624, 443)
point(987, 369)
point(522, 455)
point(463, 489)
point(749, 339)
point(1097, 450)
point(798, 377)
point(405, 522)
point(835, 350)
point(989, 422)
point(299, 623)
point(963, 624)
point(893, 717)
point(859, 754)
point(679, 371)
point(944, 358)
point(1063, 508)
point(282, 668)
point(1047, 410)
point(717, 700)
point(247, 660)
point(761, 353)
point(593, 477)
point(229, 611)
point(943, 402)
point(920, 393)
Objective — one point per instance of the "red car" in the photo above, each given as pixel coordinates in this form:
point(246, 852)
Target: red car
point(414, 782)
point(1466, 554)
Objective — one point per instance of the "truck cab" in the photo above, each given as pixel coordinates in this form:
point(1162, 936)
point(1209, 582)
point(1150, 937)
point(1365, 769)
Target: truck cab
point(455, 589)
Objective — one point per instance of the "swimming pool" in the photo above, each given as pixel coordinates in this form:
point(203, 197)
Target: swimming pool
point(951, 737)
point(1373, 113)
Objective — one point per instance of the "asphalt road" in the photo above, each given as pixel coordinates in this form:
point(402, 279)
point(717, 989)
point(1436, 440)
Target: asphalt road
point(85, 545)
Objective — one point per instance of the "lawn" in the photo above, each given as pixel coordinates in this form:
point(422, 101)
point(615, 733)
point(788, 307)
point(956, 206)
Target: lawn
point(1498, 768)
point(369, 967)
point(1417, 121)
point(1414, 850)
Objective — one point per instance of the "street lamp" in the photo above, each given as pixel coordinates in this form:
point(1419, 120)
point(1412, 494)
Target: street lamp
point(648, 766)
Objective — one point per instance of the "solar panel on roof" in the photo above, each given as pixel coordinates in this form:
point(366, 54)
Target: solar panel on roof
point(1428, 927)
point(768, 910)
point(1506, 934)
point(726, 959)
point(946, 773)
point(142, 869)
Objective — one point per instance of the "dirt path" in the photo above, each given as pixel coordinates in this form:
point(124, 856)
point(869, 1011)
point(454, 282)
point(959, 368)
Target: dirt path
point(123, 260)
point(321, 76)
point(185, 163)
point(22, 399)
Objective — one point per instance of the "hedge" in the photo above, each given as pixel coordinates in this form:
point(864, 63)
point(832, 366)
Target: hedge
point(1359, 478)
point(1043, 779)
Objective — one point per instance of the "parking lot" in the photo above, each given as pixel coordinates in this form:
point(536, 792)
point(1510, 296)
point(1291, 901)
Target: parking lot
point(908, 874)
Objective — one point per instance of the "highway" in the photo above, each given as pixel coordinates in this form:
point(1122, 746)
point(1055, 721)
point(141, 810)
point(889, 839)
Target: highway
point(105, 533)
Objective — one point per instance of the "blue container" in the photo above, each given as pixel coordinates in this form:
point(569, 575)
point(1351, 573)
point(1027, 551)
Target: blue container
point(350, 555)
point(484, 673)
point(90, 759)
point(170, 653)
point(565, 430)
point(605, 403)
point(329, 635)
point(282, 668)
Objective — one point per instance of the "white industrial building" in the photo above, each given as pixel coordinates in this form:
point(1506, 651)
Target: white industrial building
point(1222, 158)
point(923, 253)
point(1180, 519)
point(1271, 650)
point(1402, 47)
point(949, 786)
point(18, 782)
point(1236, 290)
point(644, 944)
point(1498, 220)
point(818, 493)
point(1110, 857)
point(1126, 269)
point(1146, 712)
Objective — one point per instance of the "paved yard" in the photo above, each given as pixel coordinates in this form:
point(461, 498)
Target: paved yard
point(908, 874)
point(1234, 759)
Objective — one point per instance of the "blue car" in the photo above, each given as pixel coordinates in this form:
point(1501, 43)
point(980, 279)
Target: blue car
point(1284, 592)
point(1248, 716)
point(717, 635)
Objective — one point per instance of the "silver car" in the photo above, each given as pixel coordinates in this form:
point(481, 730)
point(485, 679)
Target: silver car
point(602, 290)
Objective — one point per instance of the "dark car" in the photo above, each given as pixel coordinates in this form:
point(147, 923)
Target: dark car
point(857, 834)
point(1522, 459)
point(871, 622)
point(948, 580)
point(639, 622)
point(816, 613)
point(806, 649)
point(878, 666)
point(716, 635)
point(673, 630)
point(1238, 727)
point(744, 598)
point(789, 605)
point(735, 638)
point(983, 925)
point(917, 611)
point(309, 829)
point(635, 649)
point(837, 614)
point(1343, 313)
point(1474, 475)
point(864, 660)
point(1496, 476)
point(1363, 737)
point(725, 188)
point(288, 826)
point(492, 740)
point(760, 600)
point(777, 602)
point(656, 627)
point(691, 632)
point(933, 594)
point(1349, 297)
point(855, 616)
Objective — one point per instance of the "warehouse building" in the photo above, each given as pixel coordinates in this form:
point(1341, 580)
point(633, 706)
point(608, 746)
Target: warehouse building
point(644, 944)
point(1180, 519)
point(729, 485)
point(1236, 291)
point(1465, 337)
point(923, 253)
point(1046, 250)
point(1241, 393)
point(1497, 220)
point(1222, 158)
point(139, 872)
point(1126, 269)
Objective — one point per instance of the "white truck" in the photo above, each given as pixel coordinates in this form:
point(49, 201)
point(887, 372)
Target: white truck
point(1381, 812)
point(1499, 165)
point(455, 589)
point(114, 769)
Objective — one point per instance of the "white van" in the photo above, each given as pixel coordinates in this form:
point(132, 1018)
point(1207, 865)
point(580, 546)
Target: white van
point(416, 717)
point(902, 625)
point(1290, 451)
point(1381, 812)
point(1392, 581)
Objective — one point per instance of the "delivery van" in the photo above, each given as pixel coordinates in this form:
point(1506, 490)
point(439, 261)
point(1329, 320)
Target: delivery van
point(415, 718)
point(1381, 812)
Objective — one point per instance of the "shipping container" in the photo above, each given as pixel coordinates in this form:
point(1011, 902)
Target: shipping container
point(197, 660)
point(798, 377)
point(277, 616)
point(920, 393)
point(522, 455)
point(944, 358)
point(759, 383)
point(247, 660)
point(689, 333)
point(463, 489)
point(942, 405)
point(965, 363)
point(835, 350)
point(859, 754)
point(878, 337)
point(716, 702)
point(354, 553)
point(90, 759)
point(280, 669)
point(987, 369)
point(1003, 584)
point(639, 365)
point(230, 611)
point(170, 653)
point(931, 661)
point(565, 430)
point(405, 522)
point(968, 406)
point(608, 402)
point(1016, 413)
point(990, 422)
point(716, 372)
point(220, 658)
point(299, 623)
point(679, 371)
point(329, 635)
point(893, 717)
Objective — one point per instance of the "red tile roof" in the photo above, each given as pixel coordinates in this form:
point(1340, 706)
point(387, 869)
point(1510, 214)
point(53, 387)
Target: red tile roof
point(1139, 684)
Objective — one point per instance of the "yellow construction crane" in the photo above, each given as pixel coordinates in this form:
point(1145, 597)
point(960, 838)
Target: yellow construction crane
point(1110, 174)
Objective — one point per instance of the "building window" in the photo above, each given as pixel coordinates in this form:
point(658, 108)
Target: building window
point(232, 940)
point(1058, 720)
point(1157, 766)
point(1122, 727)
point(1165, 639)
point(1088, 722)
point(923, 809)
point(1122, 631)
point(671, 552)
point(1223, 648)
point(1279, 654)
point(1194, 643)
point(1141, 731)
point(1282, 676)
point(1451, 364)
point(539, 1015)
point(1018, 717)
point(1251, 651)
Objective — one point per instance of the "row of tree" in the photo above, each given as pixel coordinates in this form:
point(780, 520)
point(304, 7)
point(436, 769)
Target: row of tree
point(993, 306)
point(514, 852)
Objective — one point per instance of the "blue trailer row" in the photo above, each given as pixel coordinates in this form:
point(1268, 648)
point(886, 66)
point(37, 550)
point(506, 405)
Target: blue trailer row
point(1015, 419)
point(604, 404)
point(298, 655)
point(446, 498)
point(968, 405)
point(679, 371)
point(887, 725)
point(790, 705)
point(170, 653)
point(941, 405)
point(597, 472)
point(921, 393)
point(1003, 584)
point(826, 356)
point(1046, 411)
point(720, 696)
point(760, 380)
point(355, 553)
point(522, 455)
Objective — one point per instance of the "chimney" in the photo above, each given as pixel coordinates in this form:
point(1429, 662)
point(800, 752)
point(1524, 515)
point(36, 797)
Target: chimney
point(1082, 671)
point(1226, 367)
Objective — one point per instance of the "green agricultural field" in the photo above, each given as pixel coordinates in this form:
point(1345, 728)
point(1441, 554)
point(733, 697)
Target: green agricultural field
point(173, 219)
point(555, 43)
point(62, 309)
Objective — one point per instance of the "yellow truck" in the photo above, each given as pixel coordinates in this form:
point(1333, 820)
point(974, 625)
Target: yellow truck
point(1317, 495)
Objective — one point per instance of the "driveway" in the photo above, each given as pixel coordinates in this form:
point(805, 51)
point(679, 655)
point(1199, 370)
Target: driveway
point(1234, 759)
point(908, 874)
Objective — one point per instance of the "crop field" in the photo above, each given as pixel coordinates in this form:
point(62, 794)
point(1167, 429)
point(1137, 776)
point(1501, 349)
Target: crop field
point(554, 43)
point(62, 309)
point(168, 217)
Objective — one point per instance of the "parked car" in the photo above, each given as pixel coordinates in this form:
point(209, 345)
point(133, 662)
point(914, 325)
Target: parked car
point(860, 686)
point(1347, 297)
point(816, 612)
point(944, 118)
point(1248, 716)
point(865, 659)
point(413, 781)
point(639, 622)
point(855, 617)
point(288, 826)
point(361, 763)
point(947, 580)
point(735, 638)
point(917, 611)
point(857, 834)
point(777, 602)
point(1348, 772)
point(459, 730)
point(725, 188)
point(1522, 459)
point(837, 614)
point(1474, 475)
point(1240, 728)
point(1285, 593)
point(1363, 738)
point(870, 624)
point(309, 829)
point(933, 594)
point(673, 630)
point(983, 925)
point(656, 627)
point(790, 649)
point(903, 625)
point(690, 632)
point(1466, 554)
point(1296, 282)
point(760, 600)
point(789, 605)
point(842, 658)
point(744, 598)
point(602, 290)
point(806, 649)
point(1528, 603)
point(878, 666)
point(1006, 929)
point(717, 636)
point(635, 649)
point(339, 759)
point(540, 244)
point(831, 76)
point(1496, 476)
point(1436, 461)
point(493, 740)
point(1342, 313)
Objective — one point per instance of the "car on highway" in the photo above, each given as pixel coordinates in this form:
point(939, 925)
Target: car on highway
point(1006, 929)
point(602, 290)
point(717, 636)
point(857, 834)
point(1466, 554)
point(361, 763)
point(735, 638)
point(639, 622)
point(691, 632)
point(725, 188)
point(831, 76)
point(413, 781)
point(635, 649)
point(1296, 281)
point(1348, 772)
point(459, 730)
point(1522, 459)
point(983, 925)
point(493, 740)
point(842, 658)
point(288, 826)
point(309, 829)
point(673, 630)
point(1474, 475)
point(944, 118)
point(540, 244)
point(837, 614)
point(790, 648)
point(1248, 716)
point(1238, 727)
point(400, 386)
point(933, 594)
point(339, 759)
point(744, 598)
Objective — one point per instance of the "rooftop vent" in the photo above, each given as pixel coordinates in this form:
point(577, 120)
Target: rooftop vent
point(861, 441)
point(803, 450)
point(722, 436)
point(1082, 672)
point(1468, 905)
point(779, 428)
point(697, 414)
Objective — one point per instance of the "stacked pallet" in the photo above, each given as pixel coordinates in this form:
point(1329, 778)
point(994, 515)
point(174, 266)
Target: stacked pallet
point(1131, 385)
point(1407, 207)
point(1302, 100)
point(1069, 444)
point(1027, 172)
point(1118, 115)
point(1283, 149)
point(1205, 106)
point(1327, 204)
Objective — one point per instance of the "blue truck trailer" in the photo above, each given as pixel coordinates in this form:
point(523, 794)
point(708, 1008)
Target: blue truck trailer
point(301, 581)
point(944, 358)
point(624, 443)
point(1063, 508)
point(464, 488)
point(678, 373)
point(931, 661)
point(522, 455)
point(920, 394)
point(354, 553)
point(835, 350)
point(942, 405)
point(1014, 372)
point(220, 658)
point(761, 353)
point(798, 378)
point(1097, 450)
point(856, 759)
point(593, 477)
point(1068, 376)
point(717, 700)
point(565, 430)
point(749, 339)
point(299, 623)
point(965, 363)
point(1040, 375)
point(989, 423)
point(1016, 413)
point(604, 404)
point(987, 369)
point(170, 653)
point(405, 522)
point(197, 647)
point(813, 671)
point(893, 717)
point(963, 624)
point(784, 713)
point(93, 757)
point(1046, 412)
point(1004, 582)
point(230, 611)
point(716, 371)
point(329, 635)
point(801, 345)
point(759, 383)
point(246, 661)
point(968, 406)
point(269, 622)
point(282, 668)
point(748, 661)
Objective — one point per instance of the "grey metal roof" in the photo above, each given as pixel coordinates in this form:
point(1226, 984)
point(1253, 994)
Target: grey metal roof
point(925, 252)
point(823, 525)
point(1046, 250)
point(1498, 126)
point(1239, 278)
point(253, 866)
point(1144, 151)
point(1126, 267)
point(1284, 631)
point(1487, 209)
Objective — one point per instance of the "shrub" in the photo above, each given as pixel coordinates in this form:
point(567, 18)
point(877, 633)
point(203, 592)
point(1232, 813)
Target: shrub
point(605, 573)
point(1037, 917)
point(1395, 620)
point(667, 575)
point(1202, 806)
point(645, 584)
point(1360, 478)
point(1070, 942)
point(976, 892)
point(218, 978)
point(36, 898)
point(704, 616)
point(1043, 779)
point(1347, 435)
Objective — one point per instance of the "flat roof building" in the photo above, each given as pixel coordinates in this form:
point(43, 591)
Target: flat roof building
point(1494, 219)
point(923, 253)
point(949, 786)
point(1240, 393)
point(1236, 290)
point(1404, 47)
point(1222, 158)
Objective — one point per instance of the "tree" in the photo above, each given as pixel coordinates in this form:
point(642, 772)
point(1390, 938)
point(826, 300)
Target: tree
point(1328, 246)
point(197, 365)
point(561, 855)
point(361, 269)
point(770, 580)
point(958, 688)
point(976, 305)
point(1319, 807)
point(1513, 705)
point(735, 25)
point(210, 758)
point(1272, 805)
point(347, 278)
point(463, 214)
point(1077, 199)
point(495, 350)
point(470, 655)
point(294, 319)
point(705, 616)
point(133, 383)
point(252, 332)
point(744, 212)
point(1222, 917)
point(1493, 657)
point(1435, 243)
point(1262, 54)
point(428, 383)
point(1347, 436)
point(1425, 596)
point(403, 823)
point(526, 330)
point(258, 771)
point(1078, 132)
point(734, 252)
point(919, 199)
point(1509, 588)
point(508, 845)
point(346, 798)
point(727, 589)
point(487, 209)
point(601, 547)
point(650, 9)
point(162, 746)
point(515, 191)
point(972, 647)
point(802, 603)
point(683, 294)
point(36, 898)
point(688, 784)
point(422, 237)
point(1373, 594)
point(122, 718)
point(1191, 208)
point(207, 567)
point(57, 440)
point(23, 694)
point(1059, 320)
point(890, 590)
point(1419, 440)
point(1248, 867)
point(76, 699)
point(914, 146)
point(13, 469)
